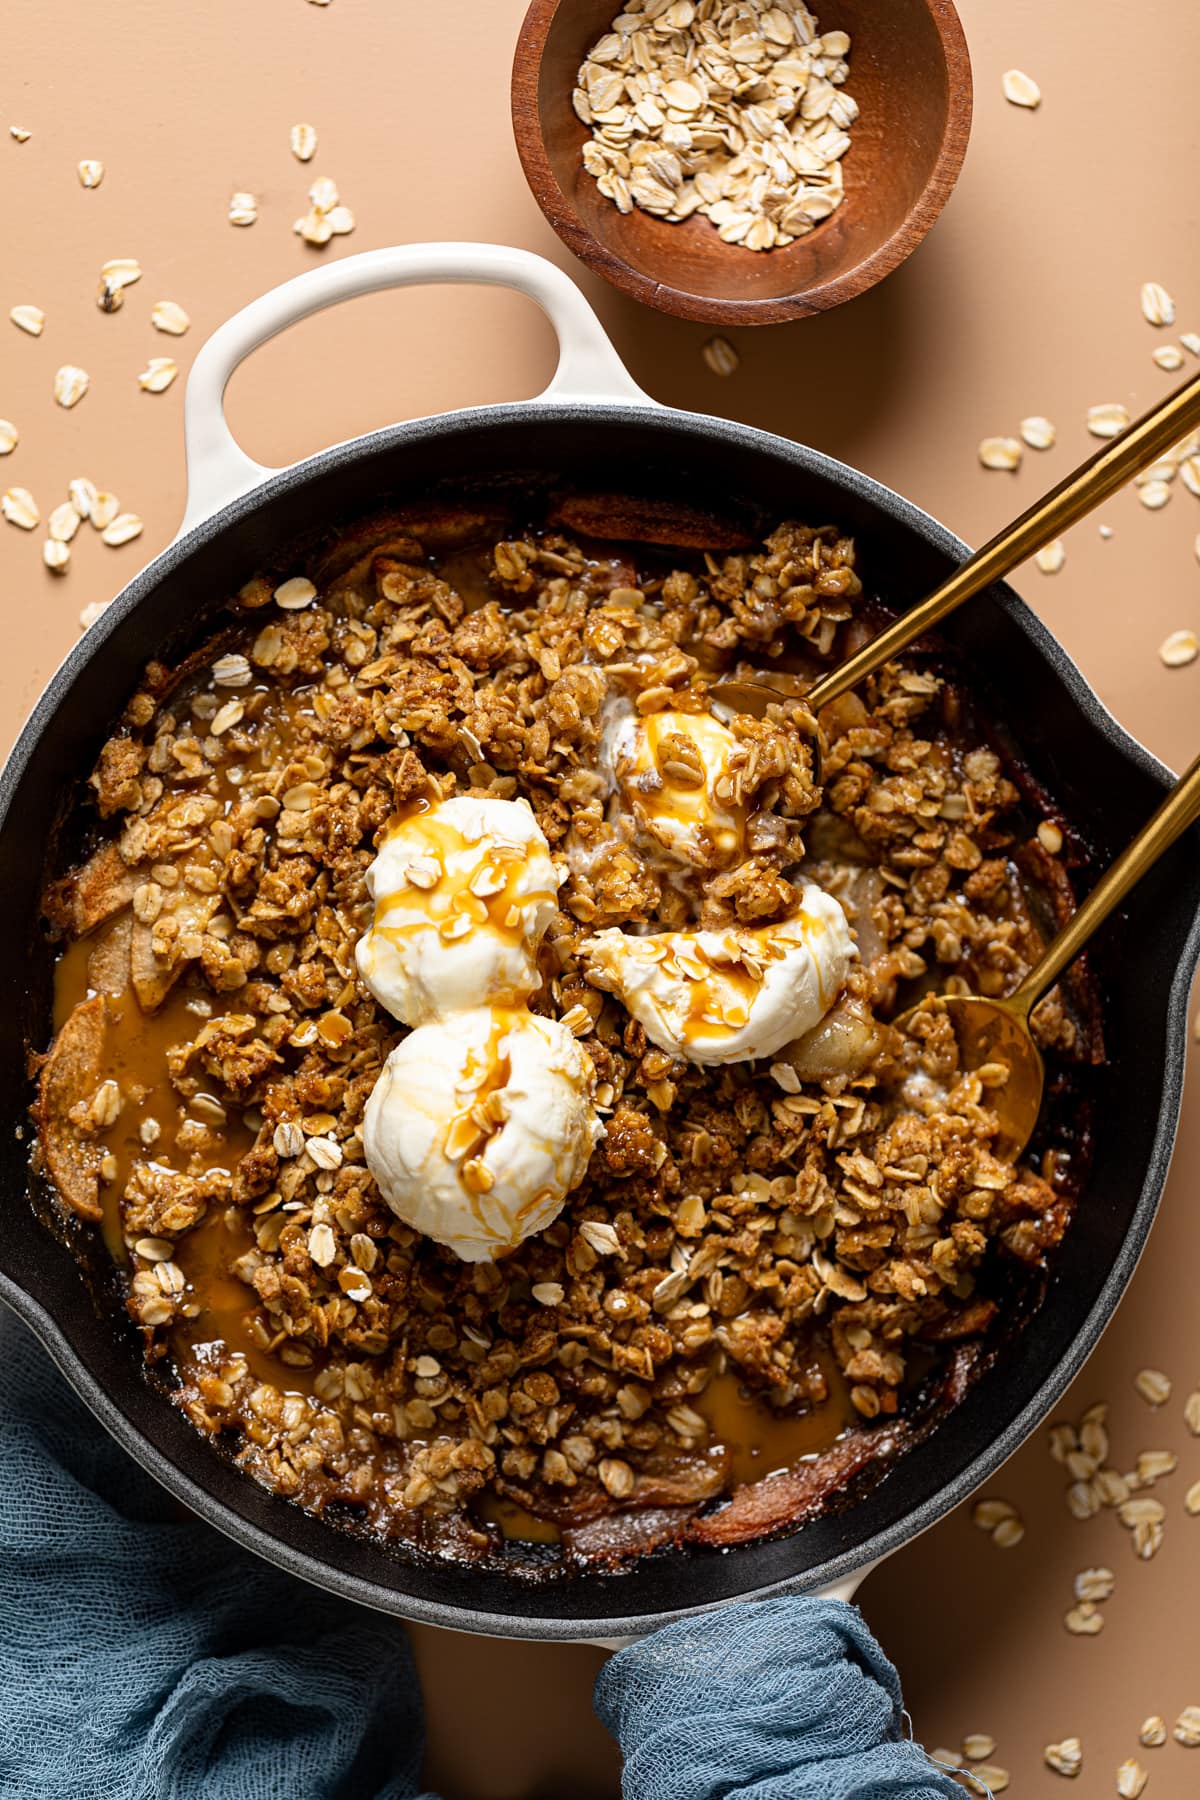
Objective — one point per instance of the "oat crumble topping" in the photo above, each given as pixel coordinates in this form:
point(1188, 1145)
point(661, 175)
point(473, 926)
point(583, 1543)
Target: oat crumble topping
point(754, 1245)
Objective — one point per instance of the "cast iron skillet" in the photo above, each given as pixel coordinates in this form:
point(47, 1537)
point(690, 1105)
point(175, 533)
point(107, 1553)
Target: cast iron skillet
point(594, 428)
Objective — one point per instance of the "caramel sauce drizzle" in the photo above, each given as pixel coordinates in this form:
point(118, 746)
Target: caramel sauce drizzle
point(664, 803)
point(415, 907)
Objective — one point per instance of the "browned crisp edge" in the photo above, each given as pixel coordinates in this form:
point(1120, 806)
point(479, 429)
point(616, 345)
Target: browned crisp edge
point(562, 215)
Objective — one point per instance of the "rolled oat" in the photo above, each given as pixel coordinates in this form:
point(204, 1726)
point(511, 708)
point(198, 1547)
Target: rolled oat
point(737, 112)
point(1065, 1758)
point(28, 318)
point(1000, 453)
point(1158, 308)
point(1021, 89)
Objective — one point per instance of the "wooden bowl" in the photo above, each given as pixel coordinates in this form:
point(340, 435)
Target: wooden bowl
point(911, 75)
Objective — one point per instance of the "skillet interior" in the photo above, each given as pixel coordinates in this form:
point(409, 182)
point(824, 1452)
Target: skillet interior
point(1105, 784)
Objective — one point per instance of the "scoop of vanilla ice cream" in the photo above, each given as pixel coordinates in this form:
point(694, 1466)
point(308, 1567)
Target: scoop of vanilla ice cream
point(464, 892)
point(673, 772)
point(728, 996)
point(479, 1127)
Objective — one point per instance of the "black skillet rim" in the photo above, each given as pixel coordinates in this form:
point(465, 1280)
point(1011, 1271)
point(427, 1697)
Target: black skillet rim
point(859, 1558)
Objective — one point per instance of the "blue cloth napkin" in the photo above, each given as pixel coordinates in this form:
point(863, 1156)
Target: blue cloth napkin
point(146, 1659)
point(785, 1699)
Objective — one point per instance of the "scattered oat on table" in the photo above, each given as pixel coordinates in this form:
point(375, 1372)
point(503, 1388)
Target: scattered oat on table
point(1190, 341)
point(169, 316)
point(1144, 1516)
point(1177, 650)
point(82, 494)
point(1189, 474)
point(720, 356)
point(303, 142)
point(1153, 1732)
point(63, 522)
point(1051, 557)
point(1084, 1620)
point(91, 613)
point(949, 1759)
point(1021, 89)
point(326, 216)
point(28, 318)
point(1093, 1435)
point(1131, 1779)
point(987, 1514)
point(1094, 1584)
point(122, 530)
point(978, 1746)
point(1153, 1465)
point(105, 508)
point(1158, 308)
point(20, 133)
point(70, 384)
point(1065, 1758)
point(1107, 420)
point(1105, 531)
point(1154, 494)
point(121, 271)
point(20, 508)
point(1141, 1509)
point(9, 437)
point(91, 173)
point(243, 208)
point(1000, 453)
point(1191, 1412)
point(56, 555)
point(116, 275)
point(1169, 356)
point(1038, 432)
point(738, 113)
point(157, 376)
point(991, 1774)
point(1187, 1727)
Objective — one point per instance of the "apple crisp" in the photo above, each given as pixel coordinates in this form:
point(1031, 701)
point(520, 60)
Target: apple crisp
point(775, 1275)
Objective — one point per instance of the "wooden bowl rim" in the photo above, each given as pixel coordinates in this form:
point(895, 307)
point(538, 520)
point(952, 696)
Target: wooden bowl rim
point(565, 220)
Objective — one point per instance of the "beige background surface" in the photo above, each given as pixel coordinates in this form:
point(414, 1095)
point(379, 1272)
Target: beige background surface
point(1024, 300)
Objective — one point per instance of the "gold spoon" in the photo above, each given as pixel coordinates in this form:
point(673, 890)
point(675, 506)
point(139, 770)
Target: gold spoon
point(1101, 475)
point(997, 1031)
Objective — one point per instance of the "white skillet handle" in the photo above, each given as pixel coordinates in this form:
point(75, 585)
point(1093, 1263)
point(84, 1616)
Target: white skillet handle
point(589, 369)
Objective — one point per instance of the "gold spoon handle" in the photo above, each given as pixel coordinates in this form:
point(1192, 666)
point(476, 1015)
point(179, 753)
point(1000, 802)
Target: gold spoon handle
point(1180, 809)
point(1093, 482)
